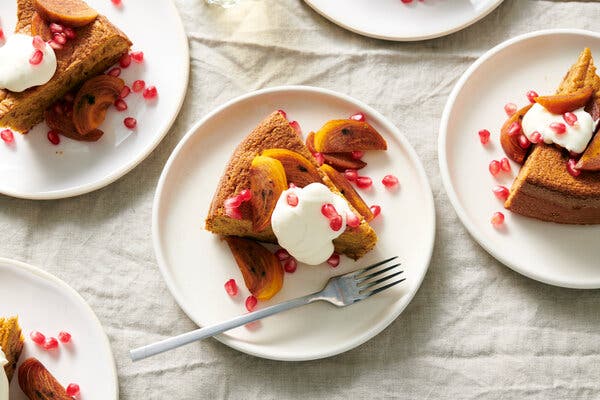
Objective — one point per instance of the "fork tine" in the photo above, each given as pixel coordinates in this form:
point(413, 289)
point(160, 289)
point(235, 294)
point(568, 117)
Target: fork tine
point(381, 289)
point(370, 267)
point(376, 273)
point(380, 280)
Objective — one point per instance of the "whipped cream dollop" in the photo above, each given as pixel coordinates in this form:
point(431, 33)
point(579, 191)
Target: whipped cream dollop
point(3, 378)
point(16, 72)
point(302, 229)
point(576, 137)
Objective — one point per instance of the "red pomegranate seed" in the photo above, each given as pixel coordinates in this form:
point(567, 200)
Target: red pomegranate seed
point(245, 195)
point(120, 105)
point(531, 95)
point(376, 210)
point(336, 223)
point(50, 343)
point(334, 260)
point(296, 126)
point(320, 159)
point(60, 38)
point(130, 122)
point(357, 155)
point(70, 33)
point(283, 113)
point(501, 192)
point(329, 211)
point(351, 174)
point(510, 109)
point(292, 199)
point(55, 46)
point(116, 2)
point(570, 118)
point(2, 37)
point(116, 71)
point(231, 287)
point(359, 116)
point(363, 182)
point(233, 202)
point(484, 136)
point(251, 303)
point(575, 155)
point(233, 212)
point(73, 389)
point(536, 137)
point(497, 219)
point(38, 43)
point(150, 93)
point(53, 137)
point(389, 181)
point(64, 337)
point(36, 57)
point(407, 1)
point(7, 135)
point(494, 167)
point(125, 60)
point(282, 254)
point(524, 143)
point(137, 56)
point(352, 220)
point(138, 85)
point(571, 167)
point(558, 127)
point(56, 28)
point(514, 128)
point(504, 164)
point(290, 265)
point(125, 92)
point(37, 337)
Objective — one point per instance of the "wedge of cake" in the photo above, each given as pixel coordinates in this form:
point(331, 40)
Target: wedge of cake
point(97, 46)
point(11, 343)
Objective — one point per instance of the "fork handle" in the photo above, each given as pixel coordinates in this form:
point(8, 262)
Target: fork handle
point(202, 333)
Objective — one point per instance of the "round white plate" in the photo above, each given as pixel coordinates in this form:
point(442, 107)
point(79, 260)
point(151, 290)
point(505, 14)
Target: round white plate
point(196, 264)
point(394, 20)
point(33, 168)
point(562, 255)
point(45, 303)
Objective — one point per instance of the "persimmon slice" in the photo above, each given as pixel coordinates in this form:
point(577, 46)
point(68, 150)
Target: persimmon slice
point(510, 143)
point(347, 135)
point(38, 383)
point(562, 103)
point(92, 102)
point(74, 13)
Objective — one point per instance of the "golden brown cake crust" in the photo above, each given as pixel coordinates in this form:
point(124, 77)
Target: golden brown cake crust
point(273, 132)
point(97, 46)
point(11, 342)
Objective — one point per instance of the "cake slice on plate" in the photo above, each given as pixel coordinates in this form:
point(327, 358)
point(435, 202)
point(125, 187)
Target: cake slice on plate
point(11, 344)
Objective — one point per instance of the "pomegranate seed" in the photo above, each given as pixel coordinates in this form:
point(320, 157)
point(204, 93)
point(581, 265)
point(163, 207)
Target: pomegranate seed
point(64, 337)
point(336, 223)
point(283, 113)
point(536, 137)
point(233, 202)
point(125, 60)
point(352, 220)
point(36, 57)
point(334, 260)
point(73, 389)
point(407, 1)
point(296, 126)
point(120, 105)
point(7, 135)
point(501, 192)
point(150, 93)
point(130, 122)
point(245, 195)
point(292, 199)
point(290, 265)
point(320, 159)
point(2, 37)
point(504, 164)
point(329, 211)
point(558, 127)
point(116, 71)
point(231, 287)
point(357, 155)
point(570, 118)
point(233, 212)
point(363, 182)
point(251, 303)
point(138, 85)
point(60, 38)
point(376, 210)
point(282, 254)
point(389, 181)
point(116, 2)
point(497, 219)
point(351, 174)
point(70, 33)
point(514, 128)
point(56, 28)
point(571, 167)
point(359, 116)
point(125, 92)
point(137, 56)
point(53, 137)
point(523, 142)
point(38, 43)
point(510, 109)
point(50, 343)
point(37, 337)
point(531, 95)
point(55, 46)
point(484, 136)
point(575, 155)
point(494, 167)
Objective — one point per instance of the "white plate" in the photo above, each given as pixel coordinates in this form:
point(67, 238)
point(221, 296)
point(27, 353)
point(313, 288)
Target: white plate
point(45, 303)
point(562, 255)
point(394, 20)
point(196, 264)
point(33, 168)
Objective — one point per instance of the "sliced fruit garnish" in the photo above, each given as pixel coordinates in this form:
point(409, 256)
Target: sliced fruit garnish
point(40, 27)
point(38, 383)
point(93, 100)
point(298, 170)
point(261, 269)
point(347, 135)
point(64, 124)
point(267, 182)
point(562, 103)
point(73, 13)
point(310, 142)
point(510, 140)
point(345, 187)
point(343, 161)
point(590, 160)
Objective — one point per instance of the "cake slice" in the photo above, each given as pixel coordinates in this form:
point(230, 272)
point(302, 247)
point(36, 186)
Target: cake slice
point(275, 132)
point(11, 342)
point(97, 46)
point(544, 189)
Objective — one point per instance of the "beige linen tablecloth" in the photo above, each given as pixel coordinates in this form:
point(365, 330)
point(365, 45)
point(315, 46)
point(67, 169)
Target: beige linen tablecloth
point(475, 330)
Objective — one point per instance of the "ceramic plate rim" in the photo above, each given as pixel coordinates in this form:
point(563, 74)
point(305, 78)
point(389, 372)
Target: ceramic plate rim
point(68, 289)
point(358, 339)
point(444, 168)
point(413, 38)
point(119, 173)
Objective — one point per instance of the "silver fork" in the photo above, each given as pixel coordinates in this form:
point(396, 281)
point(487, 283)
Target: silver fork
point(341, 291)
